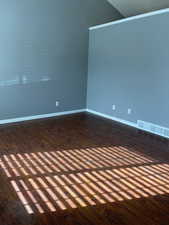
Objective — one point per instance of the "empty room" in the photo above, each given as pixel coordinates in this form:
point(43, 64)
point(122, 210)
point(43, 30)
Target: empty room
point(84, 126)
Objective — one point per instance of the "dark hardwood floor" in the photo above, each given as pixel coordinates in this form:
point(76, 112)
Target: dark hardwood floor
point(82, 170)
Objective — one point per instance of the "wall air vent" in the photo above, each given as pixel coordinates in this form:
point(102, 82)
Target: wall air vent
point(153, 128)
point(166, 132)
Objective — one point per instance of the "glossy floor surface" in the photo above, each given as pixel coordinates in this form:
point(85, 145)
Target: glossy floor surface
point(82, 170)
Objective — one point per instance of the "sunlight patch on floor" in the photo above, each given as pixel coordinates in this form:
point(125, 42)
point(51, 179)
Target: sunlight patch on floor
point(51, 181)
point(71, 160)
point(51, 193)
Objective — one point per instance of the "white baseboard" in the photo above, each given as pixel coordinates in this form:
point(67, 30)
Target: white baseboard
point(21, 119)
point(135, 125)
point(113, 118)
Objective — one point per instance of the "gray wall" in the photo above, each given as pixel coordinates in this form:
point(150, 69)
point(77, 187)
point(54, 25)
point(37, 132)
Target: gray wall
point(129, 67)
point(43, 53)
point(135, 7)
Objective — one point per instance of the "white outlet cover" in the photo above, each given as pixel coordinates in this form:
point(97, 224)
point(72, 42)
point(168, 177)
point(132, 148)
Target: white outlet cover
point(57, 103)
point(113, 107)
point(129, 111)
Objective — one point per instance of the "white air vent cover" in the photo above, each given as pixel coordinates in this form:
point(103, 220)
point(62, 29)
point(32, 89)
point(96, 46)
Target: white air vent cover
point(153, 128)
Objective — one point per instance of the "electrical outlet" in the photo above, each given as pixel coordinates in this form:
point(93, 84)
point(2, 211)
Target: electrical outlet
point(57, 103)
point(113, 107)
point(129, 111)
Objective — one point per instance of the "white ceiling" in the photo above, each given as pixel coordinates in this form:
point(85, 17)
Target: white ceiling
point(135, 7)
